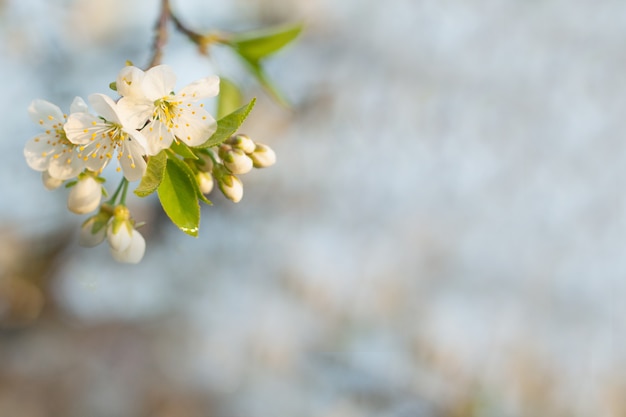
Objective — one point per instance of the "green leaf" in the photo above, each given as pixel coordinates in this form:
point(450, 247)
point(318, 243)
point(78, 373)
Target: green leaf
point(259, 44)
point(153, 176)
point(228, 125)
point(183, 150)
point(178, 197)
point(229, 98)
point(257, 71)
point(192, 176)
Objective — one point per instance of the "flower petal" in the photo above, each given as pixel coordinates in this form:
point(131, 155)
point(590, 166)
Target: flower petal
point(78, 106)
point(132, 162)
point(38, 152)
point(158, 82)
point(81, 128)
point(134, 252)
point(203, 88)
point(135, 111)
point(158, 137)
point(105, 107)
point(46, 114)
point(129, 81)
point(194, 129)
point(67, 166)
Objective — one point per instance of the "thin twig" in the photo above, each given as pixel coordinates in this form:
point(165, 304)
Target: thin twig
point(160, 36)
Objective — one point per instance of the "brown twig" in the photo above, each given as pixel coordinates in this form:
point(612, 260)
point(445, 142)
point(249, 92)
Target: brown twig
point(160, 37)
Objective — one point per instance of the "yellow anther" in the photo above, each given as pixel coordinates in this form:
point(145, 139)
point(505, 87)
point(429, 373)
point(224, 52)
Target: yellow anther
point(108, 155)
point(86, 131)
point(36, 139)
point(56, 156)
point(118, 169)
point(203, 117)
point(47, 132)
point(201, 104)
point(187, 124)
point(50, 118)
point(82, 148)
point(93, 123)
point(44, 154)
point(132, 165)
point(40, 121)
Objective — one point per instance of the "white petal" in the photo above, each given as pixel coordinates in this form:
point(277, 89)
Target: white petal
point(202, 88)
point(50, 182)
point(46, 114)
point(133, 164)
point(105, 107)
point(67, 166)
point(81, 126)
point(120, 240)
point(38, 153)
point(194, 129)
point(85, 196)
point(159, 82)
point(157, 137)
point(88, 239)
point(129, 81)
point(136, 112)
point(78, 106)
point(134, 252)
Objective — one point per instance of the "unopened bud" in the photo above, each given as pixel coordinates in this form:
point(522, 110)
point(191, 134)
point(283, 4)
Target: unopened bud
point(263, 156)
point(207, 163)
point(85, 196)
point(134, 251)
point(93, 231)
point(120, 229)
point(235, 160)
point(205, 182)
point(231, 187)
point(49, 182)
point(242, 142)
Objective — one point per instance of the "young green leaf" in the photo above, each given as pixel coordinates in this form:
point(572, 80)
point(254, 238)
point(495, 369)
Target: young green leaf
point(257, 71)
point(228, 125)
point(192, 177)
point(153, 176)
point(183, 150)
point(229, 99)
point(259, 44)
point(179, 198)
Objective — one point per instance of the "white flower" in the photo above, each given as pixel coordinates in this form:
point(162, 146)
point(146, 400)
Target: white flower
point(85, 196)
point(134, 251)
point(100, 137)
point(119, 234)
point(51, 150)
point(263, 156)
point(231, 187)
point(169, 116)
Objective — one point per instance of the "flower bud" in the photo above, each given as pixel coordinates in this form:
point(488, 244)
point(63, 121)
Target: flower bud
point(134, 251)
point(263, 156)
point(242, 142)
point(205, 182)
point(207, 163)
point(128, 82)
point(120, 229)
point(235, 160)
point(49, 182)
point(93, 231)
point(85, 196)
point(231, 187)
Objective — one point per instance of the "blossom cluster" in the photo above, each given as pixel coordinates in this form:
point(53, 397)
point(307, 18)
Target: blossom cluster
point(146, 119)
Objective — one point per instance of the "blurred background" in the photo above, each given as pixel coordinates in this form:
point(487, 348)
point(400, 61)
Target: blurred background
point(442, 236)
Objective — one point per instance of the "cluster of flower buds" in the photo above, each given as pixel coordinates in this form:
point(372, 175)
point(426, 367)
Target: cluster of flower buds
point(235, 156)
point(116, 225)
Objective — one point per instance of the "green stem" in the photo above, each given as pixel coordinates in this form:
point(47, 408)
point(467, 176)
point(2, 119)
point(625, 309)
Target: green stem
point(124, 191)
point(123, 184)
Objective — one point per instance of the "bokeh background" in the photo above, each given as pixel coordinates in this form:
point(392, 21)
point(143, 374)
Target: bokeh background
point(443, 234)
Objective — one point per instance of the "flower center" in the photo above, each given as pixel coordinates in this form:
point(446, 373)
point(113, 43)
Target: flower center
point(165, 110)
